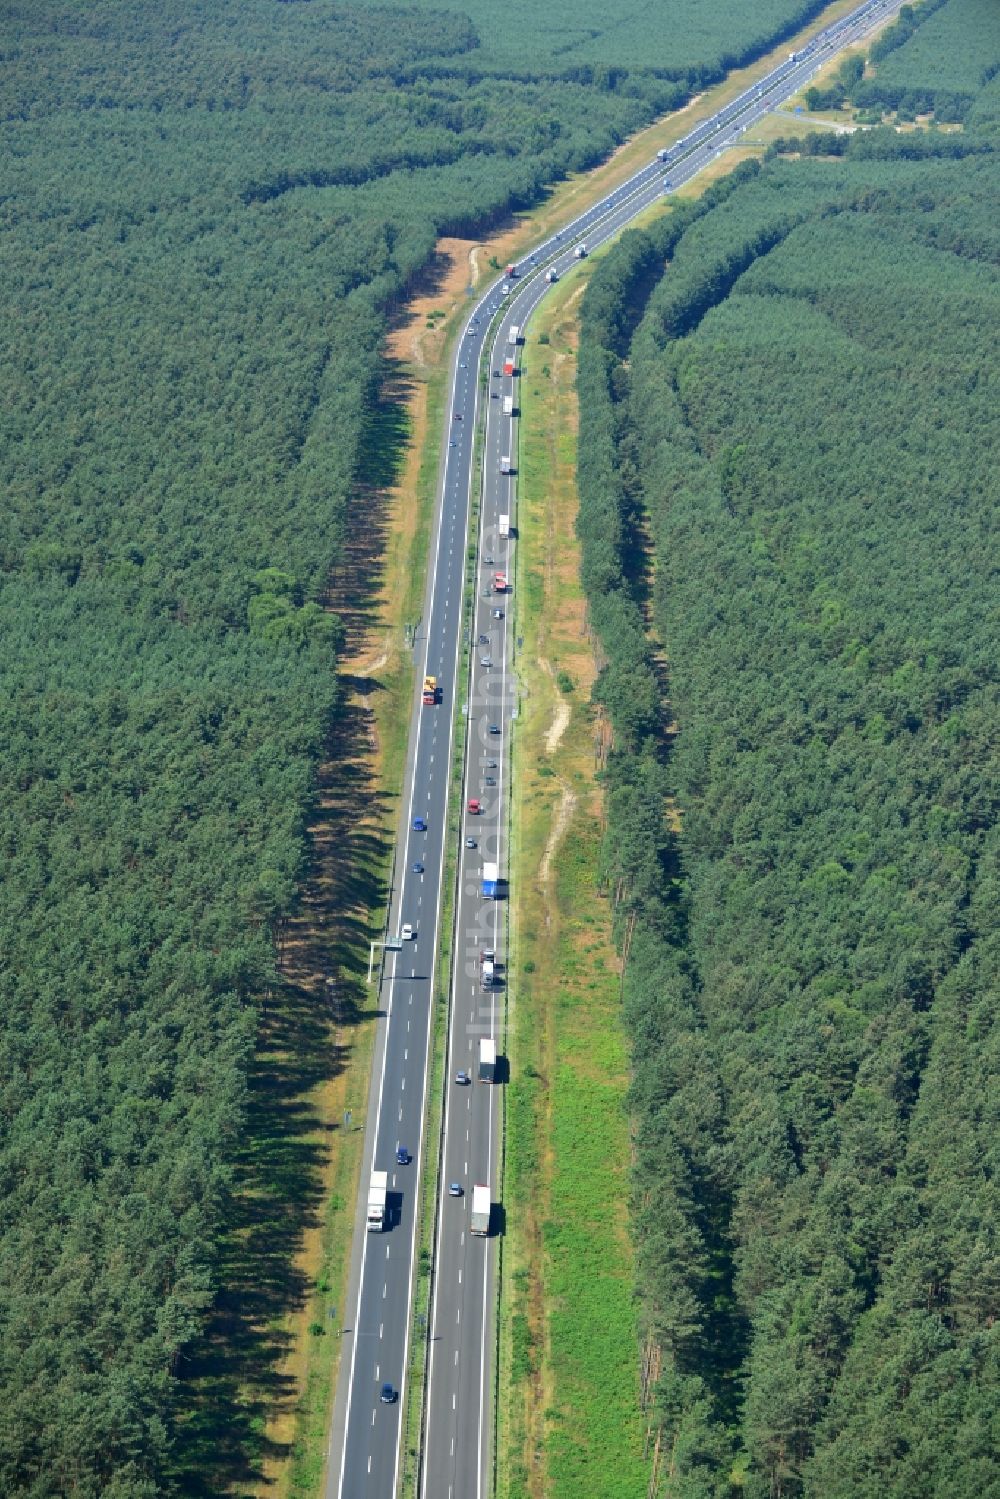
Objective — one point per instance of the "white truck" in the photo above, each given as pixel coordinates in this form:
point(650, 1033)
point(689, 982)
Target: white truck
point(505, 464)
point(504, 527)
point(376, 1201)
point(508, 405)
point(580, 252)
point(663, 155)
point(487, 1061)
point(480, 1209)
point(514, 334)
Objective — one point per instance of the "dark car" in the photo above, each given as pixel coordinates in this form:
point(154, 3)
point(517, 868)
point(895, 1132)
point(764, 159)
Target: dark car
point(418, 868)
point(494, 729)
point(496, 374)
point(489, 780)
point(492, 764)
point(403, 1156)
point(387, 1395)
point(420, 823)
point(484, 640)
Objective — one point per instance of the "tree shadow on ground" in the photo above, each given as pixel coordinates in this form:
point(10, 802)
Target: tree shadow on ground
point(234, 1382)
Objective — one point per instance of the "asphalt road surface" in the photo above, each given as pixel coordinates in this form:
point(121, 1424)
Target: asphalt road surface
point(366, 1435)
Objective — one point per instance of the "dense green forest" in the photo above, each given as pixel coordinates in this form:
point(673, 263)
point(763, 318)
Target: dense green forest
point(208, 211)
point(936, 59)
point(788, 482)
point(675, 38)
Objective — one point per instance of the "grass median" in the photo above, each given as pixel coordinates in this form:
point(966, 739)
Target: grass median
point(569, 1420)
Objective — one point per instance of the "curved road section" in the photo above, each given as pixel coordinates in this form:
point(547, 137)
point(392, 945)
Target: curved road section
point(366, 1436)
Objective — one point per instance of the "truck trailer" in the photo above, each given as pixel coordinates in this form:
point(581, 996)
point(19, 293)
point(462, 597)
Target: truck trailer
point(487, 1061)
point(504, 527)
point(514, 334)
point(508, 405)
point(376, 1201)
point(481, 1209)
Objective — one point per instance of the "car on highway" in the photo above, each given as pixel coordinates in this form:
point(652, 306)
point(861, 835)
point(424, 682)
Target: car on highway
point(406, 932)
point(454, 1189)
point(456, 416)
point(403, 1157)
point(463, 366)
point(497, 613)
point(420, 824)
point(492, 764)
point(496, 374)
point(387, 1394)
point(471, 843)
point(487, 560)
point(489, 780)
point(494, 728)
point(462, 1078)
point(418, 868)
point(484, 640)
point(486, 661)
point(453, 443)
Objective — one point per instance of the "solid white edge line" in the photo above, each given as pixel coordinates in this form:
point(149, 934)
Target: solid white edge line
point(449, 1047)
point(437, 917)
point(385, 1050)
point(840, 32)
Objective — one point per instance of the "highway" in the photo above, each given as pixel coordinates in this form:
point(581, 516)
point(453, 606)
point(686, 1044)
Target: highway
point(365, 1455)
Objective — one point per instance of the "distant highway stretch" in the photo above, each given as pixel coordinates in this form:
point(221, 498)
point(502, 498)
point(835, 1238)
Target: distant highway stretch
point(366, 1436)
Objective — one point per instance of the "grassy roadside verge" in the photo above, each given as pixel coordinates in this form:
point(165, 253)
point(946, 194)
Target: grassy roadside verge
point(378, 675)
point(580, 190)
point(377, 678)
point(569, 1419)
